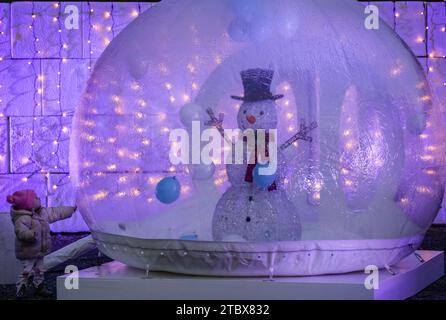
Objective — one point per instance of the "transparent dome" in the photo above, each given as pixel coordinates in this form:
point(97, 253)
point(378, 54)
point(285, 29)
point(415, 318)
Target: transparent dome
point(363, 190)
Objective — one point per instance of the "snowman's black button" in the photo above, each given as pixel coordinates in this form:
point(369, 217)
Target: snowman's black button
point(251, 198)
point(248, 219)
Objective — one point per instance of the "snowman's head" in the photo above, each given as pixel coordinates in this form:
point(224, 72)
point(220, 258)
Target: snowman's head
point(257, 115)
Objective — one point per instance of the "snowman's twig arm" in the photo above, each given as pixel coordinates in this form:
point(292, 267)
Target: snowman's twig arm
point(217, 123)
point(301, 135)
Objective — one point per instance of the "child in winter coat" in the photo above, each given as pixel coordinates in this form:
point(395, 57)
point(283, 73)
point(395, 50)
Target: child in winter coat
point(33, 240)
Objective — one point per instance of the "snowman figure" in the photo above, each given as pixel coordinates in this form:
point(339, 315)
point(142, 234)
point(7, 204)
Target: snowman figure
point(246, 212)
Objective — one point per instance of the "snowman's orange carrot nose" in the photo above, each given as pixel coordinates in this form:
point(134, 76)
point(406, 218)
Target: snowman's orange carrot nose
point(251, 119)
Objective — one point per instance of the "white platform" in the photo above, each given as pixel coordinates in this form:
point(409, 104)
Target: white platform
point(117, 281)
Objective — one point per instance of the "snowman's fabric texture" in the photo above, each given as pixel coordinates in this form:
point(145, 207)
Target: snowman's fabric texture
point(245, 211)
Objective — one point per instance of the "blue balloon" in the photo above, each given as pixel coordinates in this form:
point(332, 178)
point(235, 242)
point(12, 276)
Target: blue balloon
point(190, 237)
point(263, 181)
point(168, 190)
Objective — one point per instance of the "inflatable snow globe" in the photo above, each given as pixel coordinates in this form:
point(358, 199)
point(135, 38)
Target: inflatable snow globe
point(351, 169)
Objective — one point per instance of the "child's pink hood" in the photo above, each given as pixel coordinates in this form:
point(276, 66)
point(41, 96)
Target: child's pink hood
point(23, 199)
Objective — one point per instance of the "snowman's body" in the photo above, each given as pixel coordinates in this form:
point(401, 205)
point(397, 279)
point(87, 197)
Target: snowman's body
point(246, 212)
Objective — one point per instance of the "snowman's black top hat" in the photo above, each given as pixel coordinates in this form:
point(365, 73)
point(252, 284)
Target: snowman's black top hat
point(256, 84)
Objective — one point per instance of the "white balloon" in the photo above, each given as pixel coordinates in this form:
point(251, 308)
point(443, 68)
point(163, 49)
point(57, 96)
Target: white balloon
point(238, 30)
point(191, 112)
point(203, 171)
point(287, 27)
point(137, 66)
point(261, 29)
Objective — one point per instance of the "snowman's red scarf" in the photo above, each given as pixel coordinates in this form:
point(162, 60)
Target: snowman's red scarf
point(249, 176)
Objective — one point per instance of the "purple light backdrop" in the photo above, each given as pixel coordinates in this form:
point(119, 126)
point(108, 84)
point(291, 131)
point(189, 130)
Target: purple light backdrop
point(43, 71)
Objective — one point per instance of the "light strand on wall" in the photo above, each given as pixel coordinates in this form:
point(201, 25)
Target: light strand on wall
point(61, 46)
point(430, 51)
point(2, 115)
point(112, 29)
point(39, 89)
point(36, 91)
point(63, 130)
point(61, 60)
point(432, 25)
point(395, 16)
point(426, 36)
point(2, 33)
point(90, 27)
